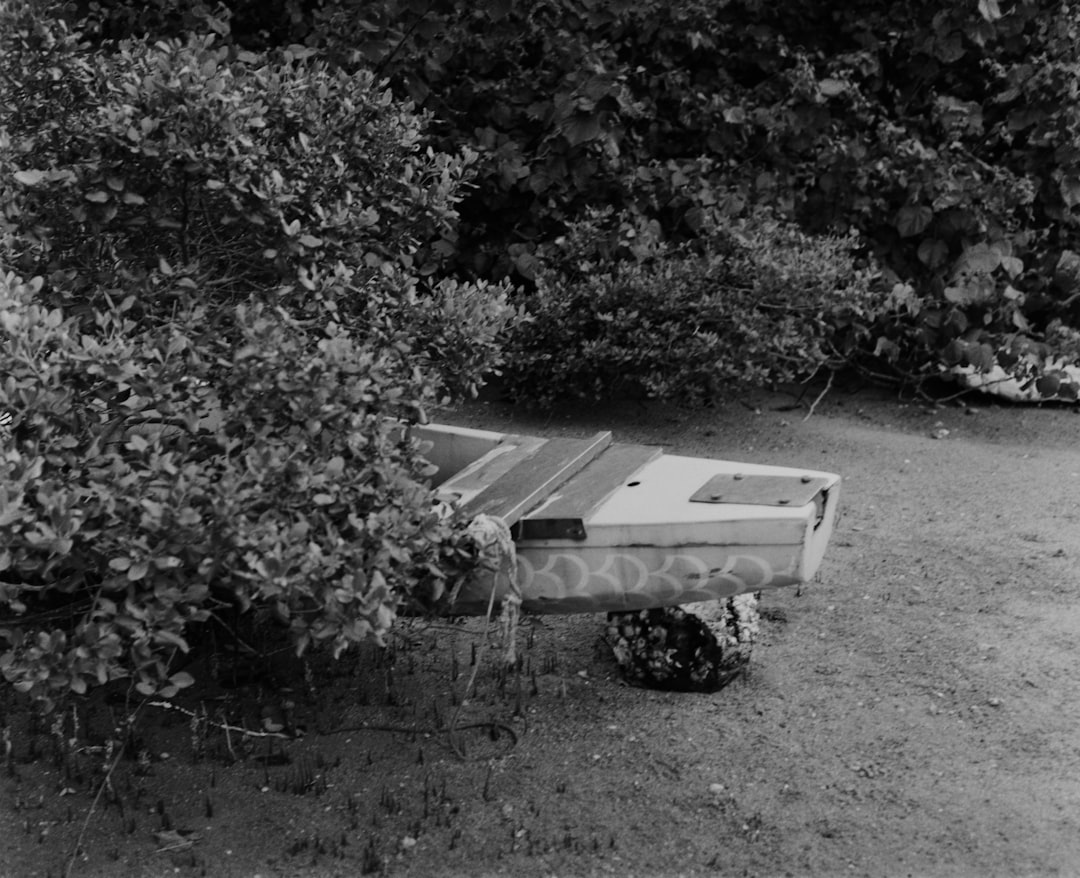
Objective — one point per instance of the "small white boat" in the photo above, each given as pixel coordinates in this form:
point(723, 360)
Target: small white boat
point(608, 527)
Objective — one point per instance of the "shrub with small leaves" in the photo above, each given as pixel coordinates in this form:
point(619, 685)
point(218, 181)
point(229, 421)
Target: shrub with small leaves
point(235, 312)
point(136, 498)
point(189, 151)
point(760, 302)
point(148, 168)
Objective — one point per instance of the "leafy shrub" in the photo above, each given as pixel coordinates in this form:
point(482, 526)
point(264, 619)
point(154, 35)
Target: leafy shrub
point(454, 330)
point(458, 330)
point(136, 498)
point(235, 309)
point(246, 166)
point(158, 169)
point(935, 133)
point(762, 302)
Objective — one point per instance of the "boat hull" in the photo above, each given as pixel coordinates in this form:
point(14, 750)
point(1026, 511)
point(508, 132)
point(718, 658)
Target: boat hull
point(662, 530)
point(599, 580)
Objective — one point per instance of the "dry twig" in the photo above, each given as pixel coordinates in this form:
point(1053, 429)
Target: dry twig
point(820, 396)
point(105, 783)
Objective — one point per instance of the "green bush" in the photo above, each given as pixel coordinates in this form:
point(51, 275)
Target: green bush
point(760, 302)
point(136, 498)
point(939, 134)
point(240, 167)
point(192, 169)
point(235, 306)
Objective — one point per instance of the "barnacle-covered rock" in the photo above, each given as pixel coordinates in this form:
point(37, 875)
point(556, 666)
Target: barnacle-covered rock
point(671, 648)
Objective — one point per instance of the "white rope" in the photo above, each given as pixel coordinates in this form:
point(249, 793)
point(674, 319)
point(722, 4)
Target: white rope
point(492, 536)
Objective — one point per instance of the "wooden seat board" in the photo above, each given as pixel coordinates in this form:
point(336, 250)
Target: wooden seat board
point(488, 469)
point(533, 480)
point(596, 482)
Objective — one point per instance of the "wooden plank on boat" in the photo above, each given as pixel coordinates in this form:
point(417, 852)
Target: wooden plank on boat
point(563, 516)
point(533, 480)
point(474, 479)
point(457, 452)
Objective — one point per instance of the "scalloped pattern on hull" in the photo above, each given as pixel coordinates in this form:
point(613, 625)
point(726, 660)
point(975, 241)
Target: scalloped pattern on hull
point(605, 581)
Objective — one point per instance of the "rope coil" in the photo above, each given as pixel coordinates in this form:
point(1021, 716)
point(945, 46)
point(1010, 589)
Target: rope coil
point(492, 537)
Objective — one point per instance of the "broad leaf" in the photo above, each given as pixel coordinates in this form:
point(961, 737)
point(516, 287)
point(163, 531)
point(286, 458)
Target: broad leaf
point(933, 253)
point(912, 219)
point(29, 178)
point(581, 128)
point(1048, 386)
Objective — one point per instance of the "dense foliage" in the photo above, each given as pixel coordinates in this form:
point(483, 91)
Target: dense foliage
point(240, 242)
point(138, 497)
point(234, 305)
point(946, 137)
point(760, 303)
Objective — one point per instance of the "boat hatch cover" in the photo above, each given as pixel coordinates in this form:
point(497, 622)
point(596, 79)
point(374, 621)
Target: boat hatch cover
point(757, 490)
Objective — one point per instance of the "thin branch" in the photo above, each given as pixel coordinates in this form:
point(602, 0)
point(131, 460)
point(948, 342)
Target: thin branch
point(820, 396)
point(105, 782)
point(361, 727)
point(404, 36)
point(168, 705)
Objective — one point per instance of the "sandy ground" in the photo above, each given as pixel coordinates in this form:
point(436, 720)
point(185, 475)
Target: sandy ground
point(914, 711)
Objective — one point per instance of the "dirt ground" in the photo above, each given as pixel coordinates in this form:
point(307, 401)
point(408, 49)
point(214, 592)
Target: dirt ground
point(914, 711)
